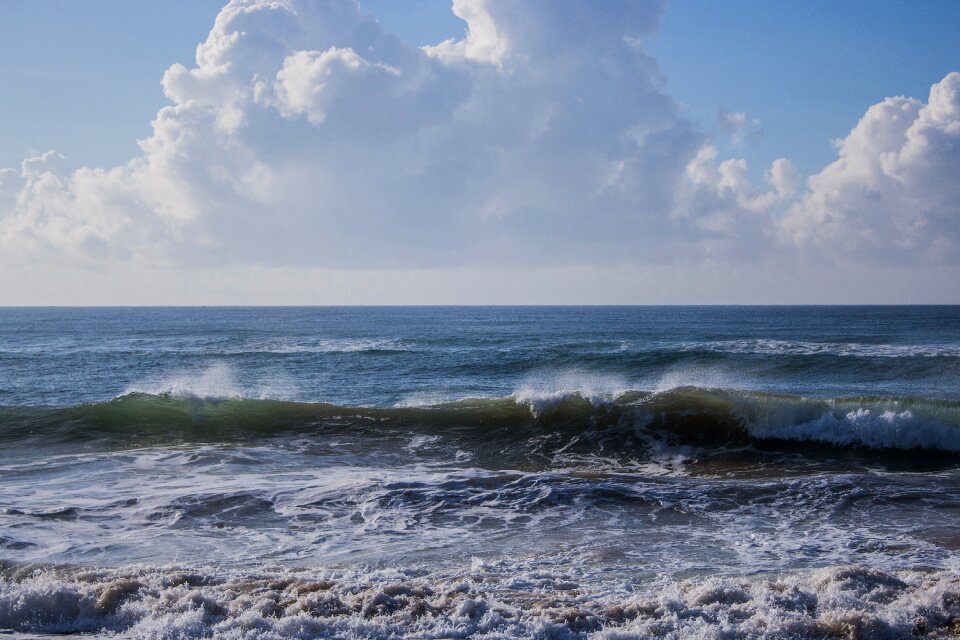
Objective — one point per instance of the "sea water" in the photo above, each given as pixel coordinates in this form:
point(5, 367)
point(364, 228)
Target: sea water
point(608, 472)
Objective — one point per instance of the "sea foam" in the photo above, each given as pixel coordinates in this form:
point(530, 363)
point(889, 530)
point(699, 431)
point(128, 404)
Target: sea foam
point(503, 599)
point(765, 346)
point(217, 381)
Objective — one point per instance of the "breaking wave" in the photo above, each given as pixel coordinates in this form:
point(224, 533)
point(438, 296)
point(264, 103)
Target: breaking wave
point(686, 415)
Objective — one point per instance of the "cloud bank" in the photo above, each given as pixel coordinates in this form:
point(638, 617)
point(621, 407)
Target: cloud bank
point(892, 197)
point(307, 138)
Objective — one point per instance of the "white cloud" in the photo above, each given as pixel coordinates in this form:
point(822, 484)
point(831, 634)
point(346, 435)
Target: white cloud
point(10, 185)
point(783, 177)
point(306, 135)
point(726, 214)
point(483, 42)
point(307, 78)
point(892, 196)
point(738, 125)
point(307, 138)
point(893, 193)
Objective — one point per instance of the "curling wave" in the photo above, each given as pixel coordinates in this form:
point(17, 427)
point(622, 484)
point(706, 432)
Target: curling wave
point(687, 415)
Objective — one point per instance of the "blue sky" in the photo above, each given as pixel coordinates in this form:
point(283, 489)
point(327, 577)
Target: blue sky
point(805, 69)
point(759, 202)
point(84, 76)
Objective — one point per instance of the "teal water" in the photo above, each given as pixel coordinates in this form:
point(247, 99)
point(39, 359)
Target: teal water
point(187, 464)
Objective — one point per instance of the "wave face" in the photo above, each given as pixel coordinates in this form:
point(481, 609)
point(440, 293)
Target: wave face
point(494, 472)
point(635, 419)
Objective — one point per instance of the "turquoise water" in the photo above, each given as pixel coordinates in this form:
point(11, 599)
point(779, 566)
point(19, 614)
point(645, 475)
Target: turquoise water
point(509, 471)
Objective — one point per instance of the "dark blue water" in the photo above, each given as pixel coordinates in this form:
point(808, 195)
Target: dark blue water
point(442, 472)
point(384, 356)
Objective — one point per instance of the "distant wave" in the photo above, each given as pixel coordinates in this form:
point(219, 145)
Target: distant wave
point(503, 600)
point(386, 346)
point(333, 345)
point(690, 415)
point(843, 349)
point(275, 346)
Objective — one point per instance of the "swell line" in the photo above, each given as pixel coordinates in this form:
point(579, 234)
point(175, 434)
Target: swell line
point(698, 416)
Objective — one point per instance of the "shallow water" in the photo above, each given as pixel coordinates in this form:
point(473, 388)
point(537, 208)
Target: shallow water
point(581, 472)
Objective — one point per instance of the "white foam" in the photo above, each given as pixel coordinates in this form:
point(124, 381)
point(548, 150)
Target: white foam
point(877, 428)
point(421, 399)
point(540, 392)
point(703, 377)
point(504, 599)
point(327, 345)
point(217, 381)
point(214, 381)
point(831, 602)
point(845, 349)
point(418, 443)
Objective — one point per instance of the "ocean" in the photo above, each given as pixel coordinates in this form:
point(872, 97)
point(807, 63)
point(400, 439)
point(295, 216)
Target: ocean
point(484, 472)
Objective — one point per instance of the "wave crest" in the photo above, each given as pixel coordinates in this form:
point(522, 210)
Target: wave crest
point(687, 415)
point(765, 346)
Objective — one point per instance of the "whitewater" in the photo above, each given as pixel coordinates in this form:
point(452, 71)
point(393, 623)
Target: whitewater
point(492, 472)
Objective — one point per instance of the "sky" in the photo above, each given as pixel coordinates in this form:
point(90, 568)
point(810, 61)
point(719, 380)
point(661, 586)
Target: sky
point(479, 152)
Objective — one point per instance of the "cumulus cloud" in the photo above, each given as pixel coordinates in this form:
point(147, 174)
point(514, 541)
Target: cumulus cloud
point(893, 193)
point(738, 125)
point(307, 135)
point(726, 214)
point(484, 41)
point(892, 196)
point(307, 78)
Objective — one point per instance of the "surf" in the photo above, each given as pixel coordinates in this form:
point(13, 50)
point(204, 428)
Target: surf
point(704, 417)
